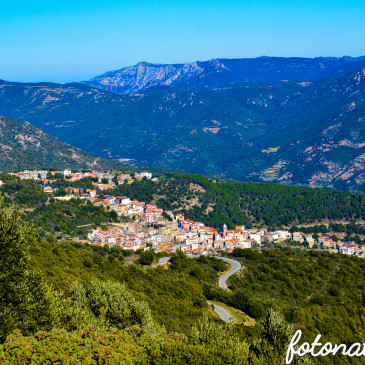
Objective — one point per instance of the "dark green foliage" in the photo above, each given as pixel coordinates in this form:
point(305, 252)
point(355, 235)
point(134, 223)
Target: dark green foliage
point(244, 301)
point(350, 229)
point(134, 346)
point(147, 257)
point(23, 302)
point(250, 204)
point(318, 292)
point(213, 292)
point(60, 182)
point(65, 217)
point(166, 216)
point(22, 192)
point(176, 298)
point(204, 268)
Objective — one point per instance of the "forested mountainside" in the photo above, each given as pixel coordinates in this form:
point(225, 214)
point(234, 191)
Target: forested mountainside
point(253, 204)
point(294, 133)
point(222, 72)
point(24, 146)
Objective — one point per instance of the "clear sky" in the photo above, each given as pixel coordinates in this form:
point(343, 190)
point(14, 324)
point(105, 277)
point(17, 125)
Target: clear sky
point(72, 40)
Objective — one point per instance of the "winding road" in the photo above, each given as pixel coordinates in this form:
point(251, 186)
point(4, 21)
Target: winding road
point(235, 267)
point(220, 311)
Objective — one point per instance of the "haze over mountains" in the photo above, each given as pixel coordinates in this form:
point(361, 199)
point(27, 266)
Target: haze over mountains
point(224, 72)
point(233, 118)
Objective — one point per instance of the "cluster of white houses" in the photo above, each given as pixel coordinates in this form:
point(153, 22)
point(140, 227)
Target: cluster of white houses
point(150, 227)
point(34, 174)
point(105, 180)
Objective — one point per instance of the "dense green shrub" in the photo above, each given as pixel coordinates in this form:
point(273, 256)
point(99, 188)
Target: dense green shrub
point(134, 346)
point(23, 302)
point(147, 257)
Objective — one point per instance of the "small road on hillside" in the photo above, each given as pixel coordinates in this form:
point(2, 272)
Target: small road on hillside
point(163, 261)
point(221, 312)
point(235, 267)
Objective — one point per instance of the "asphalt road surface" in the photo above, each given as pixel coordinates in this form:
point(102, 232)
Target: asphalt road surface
point(221, 312)
point(163, 261)
point(235, 266)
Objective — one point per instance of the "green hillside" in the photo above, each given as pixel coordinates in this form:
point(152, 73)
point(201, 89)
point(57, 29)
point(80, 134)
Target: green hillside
point(24, 146)
point(76, 303)
point(252, 204)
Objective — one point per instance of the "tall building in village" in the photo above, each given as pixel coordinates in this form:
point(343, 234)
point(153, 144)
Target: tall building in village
point(224, 230)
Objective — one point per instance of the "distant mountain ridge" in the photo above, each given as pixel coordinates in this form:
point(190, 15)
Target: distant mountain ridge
point(218, 73)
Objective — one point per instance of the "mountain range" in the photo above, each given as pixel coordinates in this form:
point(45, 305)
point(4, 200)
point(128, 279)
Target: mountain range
point(222, 72)
point(230, 120)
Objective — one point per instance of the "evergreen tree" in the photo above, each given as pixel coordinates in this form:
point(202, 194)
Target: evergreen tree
point(23, 303)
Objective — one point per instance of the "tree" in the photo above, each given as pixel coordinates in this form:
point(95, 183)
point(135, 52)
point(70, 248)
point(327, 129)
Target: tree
point(294, 229)
point(166, 216)
point(101, 304)
point(276, 331)
point(335, 238)
point(113, 215)
point(241, 298)
point(23, 294)
point(357, 240)
point(212, 334)
point(276, 335)
point(147, 257)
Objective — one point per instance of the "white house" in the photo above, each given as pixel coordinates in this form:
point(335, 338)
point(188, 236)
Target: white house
point(148, 175)
point(67, 172)
point(92, 193)
point(125, 201)
point(93, 235)
point(245, 244)
point(347, 250)
point(256, 237)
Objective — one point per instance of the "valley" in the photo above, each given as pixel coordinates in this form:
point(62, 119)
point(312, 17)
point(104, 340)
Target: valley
point(308, 134)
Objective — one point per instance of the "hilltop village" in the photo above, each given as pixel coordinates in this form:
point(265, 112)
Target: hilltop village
point(144, 226)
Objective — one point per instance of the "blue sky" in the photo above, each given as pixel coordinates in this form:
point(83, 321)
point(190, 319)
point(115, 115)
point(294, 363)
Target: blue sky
point(75, 40)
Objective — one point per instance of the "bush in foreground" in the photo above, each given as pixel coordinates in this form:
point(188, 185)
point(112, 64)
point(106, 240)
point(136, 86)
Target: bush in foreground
point(133, 346)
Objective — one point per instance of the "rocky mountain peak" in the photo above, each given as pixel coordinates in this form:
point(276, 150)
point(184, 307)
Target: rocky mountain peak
point(218, 73)
point(218, 64)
